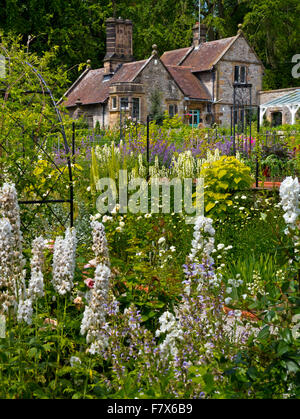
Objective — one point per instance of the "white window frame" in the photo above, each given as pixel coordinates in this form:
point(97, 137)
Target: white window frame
point(112, 103)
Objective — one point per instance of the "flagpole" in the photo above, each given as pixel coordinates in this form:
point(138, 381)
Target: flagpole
point(199, 23)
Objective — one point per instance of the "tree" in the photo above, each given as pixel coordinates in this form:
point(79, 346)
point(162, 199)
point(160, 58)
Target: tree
point(77, 28)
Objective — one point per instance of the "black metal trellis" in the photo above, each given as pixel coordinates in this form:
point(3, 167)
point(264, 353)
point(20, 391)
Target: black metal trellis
point(242, 112)
point(241, 117)
point(35, 92)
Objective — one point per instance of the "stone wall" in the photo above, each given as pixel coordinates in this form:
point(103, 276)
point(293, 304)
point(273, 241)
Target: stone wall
point(240, 54)
point(156, 77)
point(92, 114)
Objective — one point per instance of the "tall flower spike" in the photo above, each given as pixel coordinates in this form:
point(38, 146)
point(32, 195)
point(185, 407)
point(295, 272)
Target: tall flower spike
point(100, 247)
point(36, 282)
point(7, 289)
point(64, 257)
point(9, 209)
point(289, 195)
point(94, 317)
point(200, 261)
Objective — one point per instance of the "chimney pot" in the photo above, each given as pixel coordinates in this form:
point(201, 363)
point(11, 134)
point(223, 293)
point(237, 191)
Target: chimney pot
point(203, 31)
point(118, 43)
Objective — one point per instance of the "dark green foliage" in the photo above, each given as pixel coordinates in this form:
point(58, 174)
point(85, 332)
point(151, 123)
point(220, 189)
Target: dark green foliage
point(77, 28)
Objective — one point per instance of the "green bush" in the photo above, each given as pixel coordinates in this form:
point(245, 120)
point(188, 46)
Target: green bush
point(221, 179)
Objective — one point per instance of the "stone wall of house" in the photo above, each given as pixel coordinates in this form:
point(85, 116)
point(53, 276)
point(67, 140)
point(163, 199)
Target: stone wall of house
point(240, 54)
point(156, 77)
point(207, 79)
point(92, 114)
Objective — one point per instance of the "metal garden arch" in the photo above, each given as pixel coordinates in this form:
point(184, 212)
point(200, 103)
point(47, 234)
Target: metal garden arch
point(30, 123)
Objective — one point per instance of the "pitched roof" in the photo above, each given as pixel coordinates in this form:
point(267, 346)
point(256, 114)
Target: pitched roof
point(201, 59)
point(208, 54)
point(175, 57)
point(191, 86)
point(91, 89)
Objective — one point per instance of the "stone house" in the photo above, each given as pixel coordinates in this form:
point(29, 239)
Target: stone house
point(196, 82)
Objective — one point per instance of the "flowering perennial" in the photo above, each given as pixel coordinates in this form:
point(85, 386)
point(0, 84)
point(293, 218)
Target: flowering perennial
point(64, 262)
point(100, 247)
point(94, 317)
point(9, 208)
point(36, 283)
point(7, 295)
point(289, 195)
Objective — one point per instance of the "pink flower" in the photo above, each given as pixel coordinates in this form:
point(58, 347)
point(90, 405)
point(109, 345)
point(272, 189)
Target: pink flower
point(91, 264)
point(50, 245)
point(89, 282)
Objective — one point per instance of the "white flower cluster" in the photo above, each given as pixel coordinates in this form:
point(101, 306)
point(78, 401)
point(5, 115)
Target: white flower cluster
point(25, 310)
point(169, 325)
point(233, 283)
point(7, 297)
point(36, 282)
point(9, 208)
point(107, 152)
point(203, 243)
point(64, 259)
point(100, 247)
point(184, 165)
point(203, 246)
point(289, 194)
point(94, 317)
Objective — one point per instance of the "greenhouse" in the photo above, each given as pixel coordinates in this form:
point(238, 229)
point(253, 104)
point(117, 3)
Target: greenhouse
point(290, 100)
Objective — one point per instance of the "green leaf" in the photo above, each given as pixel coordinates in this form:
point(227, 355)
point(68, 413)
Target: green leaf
point(223, 185)
point(282, 348)
point(252, 372)
point(237, 180)
point(286, 335)
point(222, 173)
point(209, 206)
point(292, 366)
point(264, 333)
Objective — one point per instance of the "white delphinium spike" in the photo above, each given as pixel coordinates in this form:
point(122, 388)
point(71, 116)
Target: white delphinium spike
point(142, 171)
point(25, 311)
point(100, 247)
point(9, 208)
point(7, 288)
point(36, 282)
point(170, 326)
point(203, 239)
point(200, 257)
point(94, 317)
point(289, 200)
point(64, 258)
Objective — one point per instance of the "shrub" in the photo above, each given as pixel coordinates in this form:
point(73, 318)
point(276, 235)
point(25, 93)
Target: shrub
point(221, 179)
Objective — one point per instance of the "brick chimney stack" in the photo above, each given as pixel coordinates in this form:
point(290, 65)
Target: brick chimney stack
point(118, 43)
point(203, 31)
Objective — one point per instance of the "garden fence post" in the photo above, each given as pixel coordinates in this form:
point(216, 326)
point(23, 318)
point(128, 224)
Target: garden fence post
point(148, 145)
point(258, 130)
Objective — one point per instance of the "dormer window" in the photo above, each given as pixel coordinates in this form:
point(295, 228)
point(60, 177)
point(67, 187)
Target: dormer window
point(239, 74)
